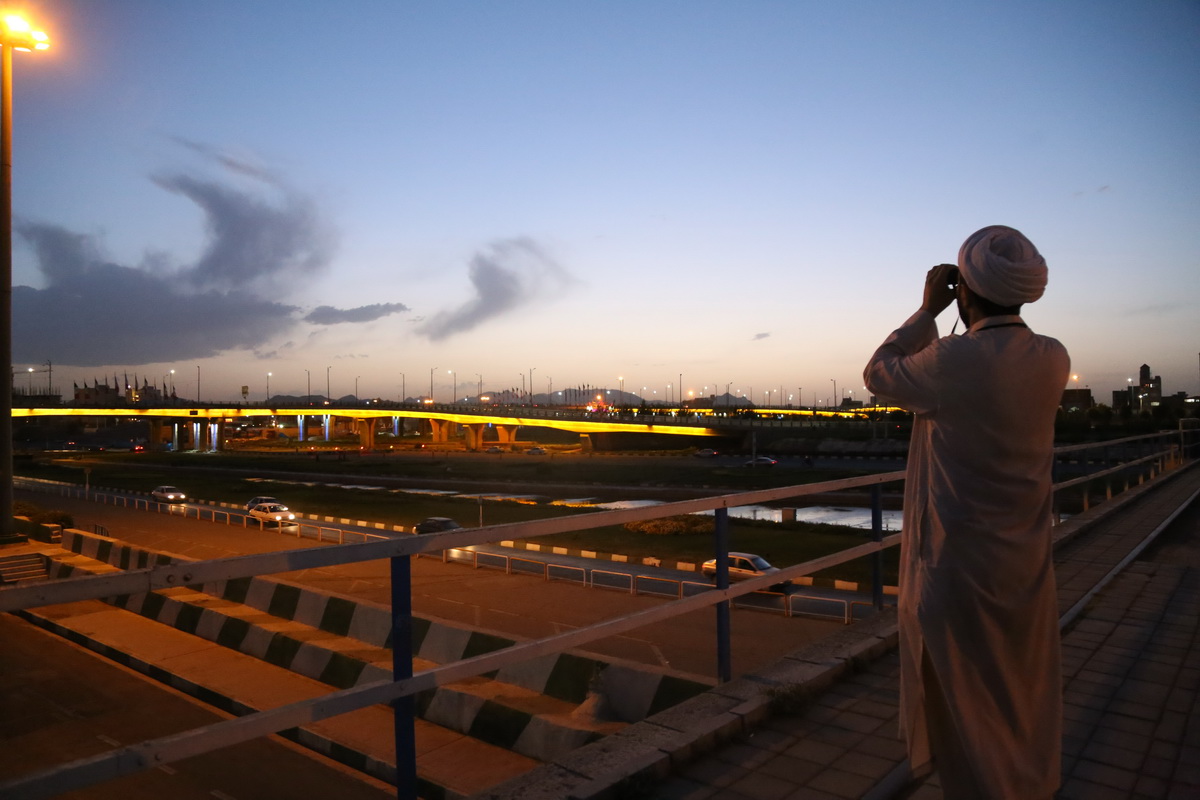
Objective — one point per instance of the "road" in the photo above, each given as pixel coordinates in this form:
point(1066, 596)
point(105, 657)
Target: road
point(517, 606)
point(62, 703)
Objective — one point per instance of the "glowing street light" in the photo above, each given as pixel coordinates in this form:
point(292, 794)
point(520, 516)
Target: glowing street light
point(15, 34)
point(268, 388)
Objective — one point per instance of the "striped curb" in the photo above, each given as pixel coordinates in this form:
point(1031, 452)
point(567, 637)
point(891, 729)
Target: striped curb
point(343, 659)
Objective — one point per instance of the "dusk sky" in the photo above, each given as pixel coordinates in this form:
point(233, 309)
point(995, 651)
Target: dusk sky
point(745, 193)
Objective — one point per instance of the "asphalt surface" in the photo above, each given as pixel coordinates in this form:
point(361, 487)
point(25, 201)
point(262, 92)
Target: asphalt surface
point(518, 606)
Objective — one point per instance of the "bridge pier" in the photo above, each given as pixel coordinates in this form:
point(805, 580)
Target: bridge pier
point(300, 427)
point(506, 434)
point(366, 433)
point(474, 435)
point(328, 422)
point(439, 430)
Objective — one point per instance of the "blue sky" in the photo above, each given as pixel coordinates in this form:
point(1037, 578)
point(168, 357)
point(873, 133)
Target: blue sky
point(742, 193)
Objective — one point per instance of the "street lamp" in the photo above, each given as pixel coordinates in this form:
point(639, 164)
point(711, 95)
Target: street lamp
point(328, 396)
point(268, 388)
point(431, 383)
point(15, 34)
point(356, 377)
point(531, 369)
point(454, 384)
point(308, 380)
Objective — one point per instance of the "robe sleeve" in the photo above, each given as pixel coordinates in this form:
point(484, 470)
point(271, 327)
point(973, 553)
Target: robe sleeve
point(903, 370)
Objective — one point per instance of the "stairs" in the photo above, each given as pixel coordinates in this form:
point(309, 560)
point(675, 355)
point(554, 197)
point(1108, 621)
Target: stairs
point(26, 567)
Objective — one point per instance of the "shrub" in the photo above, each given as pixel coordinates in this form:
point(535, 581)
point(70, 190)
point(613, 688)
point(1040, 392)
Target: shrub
point(672, 526)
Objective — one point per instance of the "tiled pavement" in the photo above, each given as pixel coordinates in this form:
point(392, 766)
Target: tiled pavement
point(1131, 665)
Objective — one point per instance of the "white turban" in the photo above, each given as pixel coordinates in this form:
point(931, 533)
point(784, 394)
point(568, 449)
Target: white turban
point(1001, 265)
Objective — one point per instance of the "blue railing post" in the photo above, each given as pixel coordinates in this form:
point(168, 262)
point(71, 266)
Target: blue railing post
point(403, 709)
point(877, 536)
point(724, 653)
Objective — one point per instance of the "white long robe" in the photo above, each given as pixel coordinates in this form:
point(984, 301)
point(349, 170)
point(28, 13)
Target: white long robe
point(977, 603)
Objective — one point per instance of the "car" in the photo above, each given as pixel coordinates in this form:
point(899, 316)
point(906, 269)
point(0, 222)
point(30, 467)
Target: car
point(272, 512)
point(761, 461)
point(168, 494)
point(435, 525)
point(494, 449)
point(258, 501)
point(536, 451)
point(743, 566)
point(707, 452)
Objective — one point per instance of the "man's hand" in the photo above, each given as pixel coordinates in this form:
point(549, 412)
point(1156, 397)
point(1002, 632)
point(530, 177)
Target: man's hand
point(938, 291)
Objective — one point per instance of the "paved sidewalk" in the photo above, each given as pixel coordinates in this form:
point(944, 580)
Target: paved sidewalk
point(1131, 671)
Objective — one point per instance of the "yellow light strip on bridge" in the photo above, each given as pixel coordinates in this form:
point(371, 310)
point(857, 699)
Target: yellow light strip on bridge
point(233, 413)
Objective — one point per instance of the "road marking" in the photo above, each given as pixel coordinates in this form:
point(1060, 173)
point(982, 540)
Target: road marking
point(108, 740)
point(168, 769)
point(217, 793)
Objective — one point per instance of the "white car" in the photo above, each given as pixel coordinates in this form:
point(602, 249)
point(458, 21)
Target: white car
point(272, 512)
point(743, 566)
point(259, 501)
point(168, 494)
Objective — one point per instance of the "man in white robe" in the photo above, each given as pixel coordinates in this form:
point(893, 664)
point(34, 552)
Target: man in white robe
point(979, 642)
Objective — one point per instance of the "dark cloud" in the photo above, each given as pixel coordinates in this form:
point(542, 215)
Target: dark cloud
point(253, 243)
point(261, 239)
point(96, 313)
point(508, 275)
point(759, 336)
point(328, 315)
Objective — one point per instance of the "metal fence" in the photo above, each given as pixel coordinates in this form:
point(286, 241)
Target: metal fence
point(399, 691)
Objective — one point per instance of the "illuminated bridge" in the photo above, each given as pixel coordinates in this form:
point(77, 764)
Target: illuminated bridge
point(606, 429)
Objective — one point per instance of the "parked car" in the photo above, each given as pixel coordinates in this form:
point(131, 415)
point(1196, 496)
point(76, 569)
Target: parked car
point(494, 449)
point(272, 512)
point(435, 525)
point(258, 501)
point(536, 451)
point(707, 452)
point(168, 494)
point(761, 461)
point(743, 566)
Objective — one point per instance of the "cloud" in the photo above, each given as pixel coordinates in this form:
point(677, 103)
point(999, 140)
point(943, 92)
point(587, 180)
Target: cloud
point(328, 315)
point(262, 236)
point(510, 274)
point(252, 242)
point(96, 313)
point(759, 336)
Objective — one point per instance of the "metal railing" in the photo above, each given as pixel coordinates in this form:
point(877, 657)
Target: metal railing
point(400, 690)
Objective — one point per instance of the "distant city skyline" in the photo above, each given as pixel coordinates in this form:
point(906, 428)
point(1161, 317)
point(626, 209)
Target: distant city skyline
point(745, 194)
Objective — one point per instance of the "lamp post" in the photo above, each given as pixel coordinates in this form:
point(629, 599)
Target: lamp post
point(197, 384)
point(479, 388)
point(328, 396)
point(454, 385)
point(15, 34)
point(834, 388)
point(431, 383)
point(308, 380)
point(403, 389)
point(356, 377)
point(531, 369)
point(268, 388)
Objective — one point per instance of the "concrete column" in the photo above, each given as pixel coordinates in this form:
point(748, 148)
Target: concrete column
point(300, 427)
point(440, 430)
point(506, 434)
point(366, 433)
point(475, 435)
point(216, 432)
point(328, 425)
point(396, 427)
point(197, 436)
point(175, 429)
